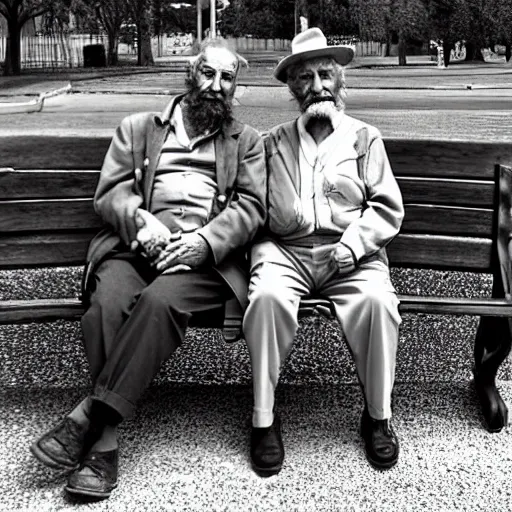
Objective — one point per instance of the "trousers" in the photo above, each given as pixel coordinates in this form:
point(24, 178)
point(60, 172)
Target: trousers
point(366, 307)
point(135, 322)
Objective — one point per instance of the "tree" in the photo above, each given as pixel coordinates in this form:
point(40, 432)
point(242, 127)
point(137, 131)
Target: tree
point(17, 13)
point(499, 16)
point(110, 14)
point(448, 21)
point(378, 19)
point(140, 13)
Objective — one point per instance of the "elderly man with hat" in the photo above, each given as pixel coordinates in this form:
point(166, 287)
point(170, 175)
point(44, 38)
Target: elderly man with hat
point(333, 206)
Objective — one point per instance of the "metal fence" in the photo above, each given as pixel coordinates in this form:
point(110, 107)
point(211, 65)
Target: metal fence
point(55, 51)
point(66, 50)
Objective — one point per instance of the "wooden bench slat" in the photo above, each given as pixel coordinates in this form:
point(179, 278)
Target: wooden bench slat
point(54, 152)
point(44, 250)
point(48, 215)
point(455, 306)
point(37, 184)
point(453, 192)
point(25, 311)
point(438, 251)
point(447, 159)
point(448, 220)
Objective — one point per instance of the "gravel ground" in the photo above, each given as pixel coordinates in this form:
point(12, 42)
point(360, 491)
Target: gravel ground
point(187, 450)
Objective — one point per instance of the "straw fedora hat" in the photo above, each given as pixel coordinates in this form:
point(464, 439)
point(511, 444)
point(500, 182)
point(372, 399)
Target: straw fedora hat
point(311, 44)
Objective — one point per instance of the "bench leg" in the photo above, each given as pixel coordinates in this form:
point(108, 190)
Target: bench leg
point(492, 346)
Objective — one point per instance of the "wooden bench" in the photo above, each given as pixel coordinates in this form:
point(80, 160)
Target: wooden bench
point(458, 217)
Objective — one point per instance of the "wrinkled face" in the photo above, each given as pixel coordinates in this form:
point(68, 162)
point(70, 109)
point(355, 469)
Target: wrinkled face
point(318, 86)
point(214, 76)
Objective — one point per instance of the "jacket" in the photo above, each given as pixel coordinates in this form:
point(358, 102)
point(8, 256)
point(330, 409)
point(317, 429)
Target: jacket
point(241, 178)
point(367, 219)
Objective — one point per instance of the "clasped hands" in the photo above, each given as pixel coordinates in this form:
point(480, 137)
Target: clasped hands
point(168, 252)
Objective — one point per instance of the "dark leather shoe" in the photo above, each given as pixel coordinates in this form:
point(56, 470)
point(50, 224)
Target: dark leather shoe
point(62, 447)
point(267, 450)
point(96, 477)
point(380, 441)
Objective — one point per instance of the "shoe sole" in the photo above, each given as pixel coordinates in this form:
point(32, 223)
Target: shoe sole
point(381, 465)
point(41, 456)
point(76, 491)
point(273, 470)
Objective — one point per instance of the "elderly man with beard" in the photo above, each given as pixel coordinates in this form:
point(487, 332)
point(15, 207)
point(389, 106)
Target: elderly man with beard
point(333, 205)
point(193, 180)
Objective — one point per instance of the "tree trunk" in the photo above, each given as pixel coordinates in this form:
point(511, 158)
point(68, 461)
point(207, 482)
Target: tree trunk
point(145, 54)
point(508, 52)
point(402, 51)
point(13, 47)
point(447, 50)
point(473, 52)
point(112, 56)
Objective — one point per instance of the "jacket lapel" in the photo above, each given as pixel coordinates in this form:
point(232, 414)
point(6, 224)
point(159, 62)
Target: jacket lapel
point(226, 155)
point(290, 152)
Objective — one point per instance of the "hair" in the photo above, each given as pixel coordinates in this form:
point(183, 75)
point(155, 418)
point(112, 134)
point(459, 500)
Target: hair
point(217, 42)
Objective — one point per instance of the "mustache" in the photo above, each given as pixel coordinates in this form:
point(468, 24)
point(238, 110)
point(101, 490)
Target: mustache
point(317, 98)
point(210, 95)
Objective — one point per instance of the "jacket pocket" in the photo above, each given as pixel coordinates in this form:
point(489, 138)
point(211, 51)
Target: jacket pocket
point(344, 192)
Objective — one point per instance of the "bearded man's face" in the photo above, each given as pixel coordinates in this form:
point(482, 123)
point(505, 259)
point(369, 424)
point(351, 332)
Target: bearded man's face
point(317, 85)
point(211, 86)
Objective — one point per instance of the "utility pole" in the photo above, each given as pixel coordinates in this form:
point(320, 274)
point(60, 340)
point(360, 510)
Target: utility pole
point(296, 17)
point(213, 21)
point(199, 21)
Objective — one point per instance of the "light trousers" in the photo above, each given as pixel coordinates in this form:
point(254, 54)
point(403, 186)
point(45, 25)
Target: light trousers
point(366, 307)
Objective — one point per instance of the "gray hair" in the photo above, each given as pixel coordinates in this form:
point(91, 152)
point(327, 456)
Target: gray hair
point(217, 42)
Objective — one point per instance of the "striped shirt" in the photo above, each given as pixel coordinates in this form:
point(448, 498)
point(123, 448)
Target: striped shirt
point(185, 179)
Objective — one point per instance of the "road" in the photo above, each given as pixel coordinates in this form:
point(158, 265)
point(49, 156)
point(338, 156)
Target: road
point(481, 114)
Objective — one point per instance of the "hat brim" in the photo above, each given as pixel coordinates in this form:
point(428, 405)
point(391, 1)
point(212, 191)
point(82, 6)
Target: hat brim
point(341, 54)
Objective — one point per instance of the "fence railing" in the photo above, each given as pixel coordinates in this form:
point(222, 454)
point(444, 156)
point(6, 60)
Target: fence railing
point(57, 51)
point(66, 50)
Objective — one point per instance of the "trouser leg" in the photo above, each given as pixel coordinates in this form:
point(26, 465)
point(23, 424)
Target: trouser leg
point(117, 282)
point(152, 332)
point(367, 309)
point(270, 323)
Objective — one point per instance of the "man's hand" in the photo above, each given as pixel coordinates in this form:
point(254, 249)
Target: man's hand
point(344, 259)
point(189, 252)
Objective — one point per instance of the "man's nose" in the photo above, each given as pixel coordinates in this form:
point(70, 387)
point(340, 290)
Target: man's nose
point(216, 83)
point(316, 86)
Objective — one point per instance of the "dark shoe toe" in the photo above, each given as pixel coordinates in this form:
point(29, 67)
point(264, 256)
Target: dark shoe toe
point(380, 441)
point(96, 477)
point(267, 449)
point(62, 446)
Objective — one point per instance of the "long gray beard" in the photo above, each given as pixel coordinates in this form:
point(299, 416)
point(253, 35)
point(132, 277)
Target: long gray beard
point(327, 110)
point(207, 115)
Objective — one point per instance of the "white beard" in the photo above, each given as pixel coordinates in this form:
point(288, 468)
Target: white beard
point(323, 110)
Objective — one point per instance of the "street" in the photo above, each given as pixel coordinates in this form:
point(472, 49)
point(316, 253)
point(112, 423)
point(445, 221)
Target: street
point(478, 114)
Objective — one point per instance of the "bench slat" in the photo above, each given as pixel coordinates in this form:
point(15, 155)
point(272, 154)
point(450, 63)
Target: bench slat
point(48, 215)
point(40, 250)
point(471, 193)
point(407, 157)
point(25, 311)
point(437, 251)
point(78, 214)
point(447, 220)
point(44, 250)
point(39, 184)
point(54, 152)
point(447, 159)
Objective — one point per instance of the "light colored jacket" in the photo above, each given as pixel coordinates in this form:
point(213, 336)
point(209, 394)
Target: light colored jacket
point(241, 179)
point(366, 222)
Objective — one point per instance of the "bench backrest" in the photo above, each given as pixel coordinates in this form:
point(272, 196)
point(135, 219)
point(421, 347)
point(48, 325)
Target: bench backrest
point(450, 192)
